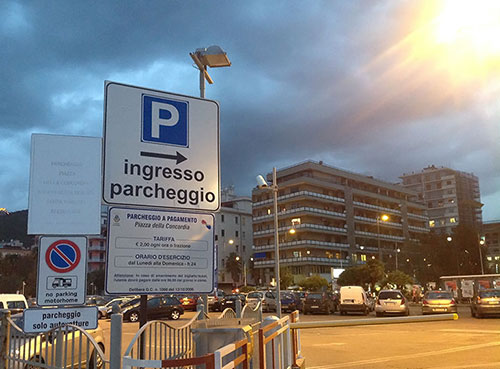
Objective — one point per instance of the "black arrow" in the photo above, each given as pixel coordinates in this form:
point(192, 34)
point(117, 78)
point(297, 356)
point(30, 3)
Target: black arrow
point(179, 158)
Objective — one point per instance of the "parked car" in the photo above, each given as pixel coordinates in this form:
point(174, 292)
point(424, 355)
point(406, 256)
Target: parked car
point(438, 302)
point(189, 302)
point(253, 299)
point(158, 307)
point(353, 299)
point(289, 301)
point(391, 302)
point(229, 301)
point(40, 348)
point(319, 302)
point(269, 303)
point(15, 303)
point(215, 301)
point(486, 302)
point(107, 309)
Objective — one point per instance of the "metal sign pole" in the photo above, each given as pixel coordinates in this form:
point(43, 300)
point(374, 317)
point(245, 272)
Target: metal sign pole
point(143, 319)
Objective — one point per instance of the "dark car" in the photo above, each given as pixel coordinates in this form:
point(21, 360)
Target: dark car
point(229, 301)
point(290, 301)
point(158, 307)
point(486, 302)
point(319, 302)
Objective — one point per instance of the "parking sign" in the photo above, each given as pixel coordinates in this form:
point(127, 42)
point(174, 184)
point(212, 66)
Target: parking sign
point(160, 149)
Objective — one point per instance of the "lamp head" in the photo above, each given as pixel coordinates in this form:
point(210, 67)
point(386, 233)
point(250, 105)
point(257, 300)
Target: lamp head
point(261, 182)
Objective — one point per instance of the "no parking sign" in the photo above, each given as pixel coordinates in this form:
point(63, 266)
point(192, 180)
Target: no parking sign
point(62, 271)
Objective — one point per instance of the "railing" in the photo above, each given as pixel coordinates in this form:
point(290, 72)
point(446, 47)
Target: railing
point(278, 348)
point(210, 361)
point(66, 346)
point(159, 340)
point(293, 244)
point(300, 210)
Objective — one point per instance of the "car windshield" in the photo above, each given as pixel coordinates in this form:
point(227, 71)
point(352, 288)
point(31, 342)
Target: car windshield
point(254, 295)
point(489, 293)
point(131, 302)
point(314, 296)
point(439, 296)
point(393, 295)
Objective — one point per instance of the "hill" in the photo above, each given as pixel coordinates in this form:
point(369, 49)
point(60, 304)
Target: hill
point(14, 226)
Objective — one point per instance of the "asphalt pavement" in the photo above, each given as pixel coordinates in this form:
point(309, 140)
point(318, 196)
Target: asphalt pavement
point(461, 344)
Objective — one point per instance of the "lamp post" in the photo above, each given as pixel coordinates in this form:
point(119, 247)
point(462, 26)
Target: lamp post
point(481, 243)
point(213, 57)
point(384, 218)
point(450, 239)
point(398, 250)
point(274, 187)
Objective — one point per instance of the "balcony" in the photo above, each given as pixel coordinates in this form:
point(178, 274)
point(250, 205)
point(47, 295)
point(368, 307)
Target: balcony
point(300, 193)
point(305, 226)
point(372, 220)
point(304, 209)
point(296, 244)
point(302, 260)
point(379, 235)
point(376, 207)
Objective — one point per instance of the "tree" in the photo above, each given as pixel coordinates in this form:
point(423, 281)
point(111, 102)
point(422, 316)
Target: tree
point(374, 272)
point(314, 283)
point(363, 275)
point(352, 276)
point(286, 277)
point(398, 278)
point(96, 277)
point(233, 266)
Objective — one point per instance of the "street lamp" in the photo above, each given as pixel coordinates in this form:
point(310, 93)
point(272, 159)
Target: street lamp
point(398, 250)
point(449, 239)
point(384, 218)
point(481, 243)
point(262, 184)
point(213, 57)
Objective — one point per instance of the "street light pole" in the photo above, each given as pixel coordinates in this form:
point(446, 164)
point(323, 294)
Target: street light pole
point(276, 245)
point(481, 243)
point(385, 218)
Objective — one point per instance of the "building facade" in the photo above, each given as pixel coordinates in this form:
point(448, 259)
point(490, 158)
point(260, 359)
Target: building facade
point(339, 219)
point(233, 238)
point(97, 245)
point(452, 197)
point(491, 233)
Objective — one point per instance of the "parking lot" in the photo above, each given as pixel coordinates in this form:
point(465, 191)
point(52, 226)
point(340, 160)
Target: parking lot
point(465, 343)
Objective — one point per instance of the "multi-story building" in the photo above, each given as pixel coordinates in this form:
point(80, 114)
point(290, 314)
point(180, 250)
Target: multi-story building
point(97, 245)
point(452, 197)
point(233, 236)
point(491, 233)
point(339, 218)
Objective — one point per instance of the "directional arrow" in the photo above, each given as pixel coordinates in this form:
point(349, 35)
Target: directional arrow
point(178, 157)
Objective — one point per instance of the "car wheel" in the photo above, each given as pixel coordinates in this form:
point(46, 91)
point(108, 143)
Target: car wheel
point(342, 312)
point(175, 314)
point(379, 314)
point(133, 316)
point(96, 361)
point(37, 360)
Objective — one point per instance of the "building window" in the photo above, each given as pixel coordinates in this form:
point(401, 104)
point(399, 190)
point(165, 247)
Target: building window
point(244, 248)
point(236, 220)
point(243, 221)
point(453, 220)
point(222, 218)
point(432, 223)
point(243, 235)
point(268, 211)
point(216, 237)
point(363, 257)
point(222, 233)
point(236, 234)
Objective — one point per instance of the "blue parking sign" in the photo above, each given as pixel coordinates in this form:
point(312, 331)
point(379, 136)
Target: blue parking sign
point(164, 121)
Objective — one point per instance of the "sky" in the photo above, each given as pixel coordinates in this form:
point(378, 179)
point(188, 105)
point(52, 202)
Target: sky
point(379, 88)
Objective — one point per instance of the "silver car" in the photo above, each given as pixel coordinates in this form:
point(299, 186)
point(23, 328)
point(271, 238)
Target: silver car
point(391, 302)
point(438, 302)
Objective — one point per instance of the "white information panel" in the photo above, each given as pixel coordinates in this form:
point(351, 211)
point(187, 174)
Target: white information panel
point(65, 191)
point(62, 271)
point(160, 149)
point(159, 252)
point(43, 320)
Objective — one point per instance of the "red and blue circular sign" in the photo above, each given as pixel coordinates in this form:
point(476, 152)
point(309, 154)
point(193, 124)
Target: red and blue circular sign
point(63, 256)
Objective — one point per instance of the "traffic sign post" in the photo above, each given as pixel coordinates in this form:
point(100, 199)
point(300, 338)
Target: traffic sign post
point(160, 149)
point(62, 267)
point(159, 252)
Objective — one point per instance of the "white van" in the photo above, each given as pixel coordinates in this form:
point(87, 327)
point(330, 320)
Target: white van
point(13, 302)
point(353, 299)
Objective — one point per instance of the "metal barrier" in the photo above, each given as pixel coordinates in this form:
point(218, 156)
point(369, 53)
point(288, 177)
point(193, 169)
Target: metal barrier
point(159, 340)
point(216, 360)
point(275, 339)
point(67, 346)
point(255, 313)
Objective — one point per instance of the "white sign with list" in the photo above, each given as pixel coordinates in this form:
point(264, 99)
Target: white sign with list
point(159, 252)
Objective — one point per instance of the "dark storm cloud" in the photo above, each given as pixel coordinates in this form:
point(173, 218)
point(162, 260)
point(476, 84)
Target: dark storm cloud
point(309, 80)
